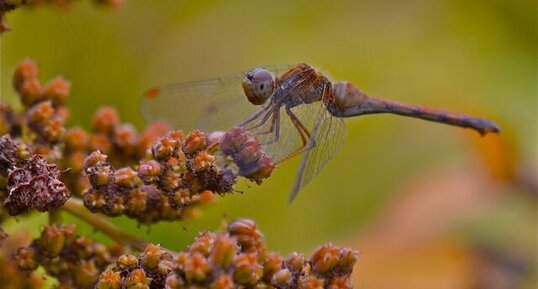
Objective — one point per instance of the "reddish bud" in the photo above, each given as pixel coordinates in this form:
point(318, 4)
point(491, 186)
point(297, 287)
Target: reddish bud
point(127, 262)
point(30, 91)
point(52, 241)
point(25, 70)
point(196, 268)
point(223, 282)
point(151, 256)
point(54, 131)
point(295, 262)
point(164, 148)
point(41, 113)
point(149, 170)
point(195, 141)
point(137, 279)
point(247, 270)
point(137, 202)
point(57, 90)
point(202, 244)
point(223, 251)
point(126, 178)
point(272, 263)
point(233, 140)
point(95, 159)
point(282, 278)
point(325, 258)
point(202, 161)
point(76, 139)
point(109, 280)
point(105, 119)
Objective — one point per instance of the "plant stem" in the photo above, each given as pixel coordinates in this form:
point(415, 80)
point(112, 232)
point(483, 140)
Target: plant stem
point(75, 207)
point(55, 216)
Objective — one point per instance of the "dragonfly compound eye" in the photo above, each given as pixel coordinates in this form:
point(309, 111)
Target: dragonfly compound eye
point(258, 85)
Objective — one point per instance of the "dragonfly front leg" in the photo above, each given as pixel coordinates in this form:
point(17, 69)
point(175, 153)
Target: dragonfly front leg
point(275, 127)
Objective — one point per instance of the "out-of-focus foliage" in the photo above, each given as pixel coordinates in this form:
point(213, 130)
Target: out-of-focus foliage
point(427, 205)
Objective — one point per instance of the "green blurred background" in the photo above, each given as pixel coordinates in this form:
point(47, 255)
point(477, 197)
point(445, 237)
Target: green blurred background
point(429, 206)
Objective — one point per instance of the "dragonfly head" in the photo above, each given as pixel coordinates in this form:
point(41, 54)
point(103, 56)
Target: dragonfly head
point(258, 85)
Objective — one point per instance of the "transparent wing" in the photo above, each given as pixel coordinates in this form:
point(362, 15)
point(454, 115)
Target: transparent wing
point(209, 105)
point(328, 134)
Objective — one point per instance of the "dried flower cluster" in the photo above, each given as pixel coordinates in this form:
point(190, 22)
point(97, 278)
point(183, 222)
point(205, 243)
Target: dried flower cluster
point(247, 154)
point(158, 174)
point(119, 141)
point(32, 183)
point(76, 261)
point(236, 258)
point(44, 111)
point(9, 5)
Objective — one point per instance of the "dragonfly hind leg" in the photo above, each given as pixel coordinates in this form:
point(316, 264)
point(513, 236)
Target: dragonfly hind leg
point(307, 143)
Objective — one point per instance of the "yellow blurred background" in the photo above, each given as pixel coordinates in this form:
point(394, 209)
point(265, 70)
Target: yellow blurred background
point(428, 206)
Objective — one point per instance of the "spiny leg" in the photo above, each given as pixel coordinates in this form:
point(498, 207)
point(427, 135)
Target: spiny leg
point(258, 113)
point(303, 133)
point(275, 127)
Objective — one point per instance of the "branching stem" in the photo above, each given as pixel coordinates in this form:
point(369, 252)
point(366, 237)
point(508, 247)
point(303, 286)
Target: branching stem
point(75, 207)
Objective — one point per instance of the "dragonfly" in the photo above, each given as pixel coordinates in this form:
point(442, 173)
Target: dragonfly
point(291, 109)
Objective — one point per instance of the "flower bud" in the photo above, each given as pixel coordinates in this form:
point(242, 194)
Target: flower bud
point(76, 139)
point(223, 282)
point(105, 119)
point(272, 263)
point(109, 280)
point(325, 258)
point(203, 243)
point(196, 268)
point(247, 270)
point(282, 278)
point(30, 91)
point(137, 279)
point(149, 171)
point(202, 161)
point(25, 70)
point(52, 241)
point(127, 262)
point(294, 262)
point(57, 90)
point(151, 256)
point(194, 142)
point(223, 251)
point(164, 148)
point(126, 178)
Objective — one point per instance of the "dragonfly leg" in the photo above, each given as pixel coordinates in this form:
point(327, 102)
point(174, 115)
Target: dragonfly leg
point(275, 127)
point(262, 121)
point(303, 133)
point(254, 116)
